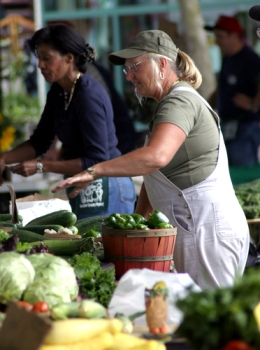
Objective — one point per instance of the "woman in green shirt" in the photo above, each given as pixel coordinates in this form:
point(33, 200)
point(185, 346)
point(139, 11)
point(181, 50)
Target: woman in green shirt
point(183, 161)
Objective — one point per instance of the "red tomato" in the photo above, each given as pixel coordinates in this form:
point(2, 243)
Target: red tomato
point(40, 306)
point(237, 345)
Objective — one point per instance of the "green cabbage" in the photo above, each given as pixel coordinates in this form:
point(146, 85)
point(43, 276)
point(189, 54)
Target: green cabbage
point(16, 273)
point(55, 280)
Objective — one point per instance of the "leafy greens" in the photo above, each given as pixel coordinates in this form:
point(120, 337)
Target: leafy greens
point(95, 283)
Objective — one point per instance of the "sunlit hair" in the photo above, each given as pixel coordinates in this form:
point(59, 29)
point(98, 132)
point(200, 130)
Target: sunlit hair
point(186, 70)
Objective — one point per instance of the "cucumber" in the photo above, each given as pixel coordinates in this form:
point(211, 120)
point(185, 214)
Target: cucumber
point(39, 229)
point(8, 217)
point(94, 222)
point(64, 218)
point(7, 224)
point(10, 224)
point(68, 247)
point(27, 236)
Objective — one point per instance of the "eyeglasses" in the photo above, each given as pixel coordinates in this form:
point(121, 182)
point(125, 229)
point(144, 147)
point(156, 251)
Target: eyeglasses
point(133, 67)
point(258, 32)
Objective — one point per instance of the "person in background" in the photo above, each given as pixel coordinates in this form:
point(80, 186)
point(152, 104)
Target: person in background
point(238, 85)
point(79, 112)
point(125, 130)
point(183, 161)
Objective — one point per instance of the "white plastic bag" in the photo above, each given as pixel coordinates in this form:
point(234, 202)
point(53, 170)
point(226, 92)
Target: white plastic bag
point(129, 297)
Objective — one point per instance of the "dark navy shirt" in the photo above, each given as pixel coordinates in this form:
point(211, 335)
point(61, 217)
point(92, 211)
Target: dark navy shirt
point(240, 73)
point(86, 129)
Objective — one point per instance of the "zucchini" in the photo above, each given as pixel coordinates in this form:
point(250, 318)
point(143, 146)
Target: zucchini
point(27, 236)
point(63, 217)
point(39, 229)
point(94, 222)
point(68, 247)
point(8, 217)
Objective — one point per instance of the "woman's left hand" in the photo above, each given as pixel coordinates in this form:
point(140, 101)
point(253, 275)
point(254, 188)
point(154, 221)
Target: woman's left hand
point(243, 101)
point(79, 181)
point(26, 168)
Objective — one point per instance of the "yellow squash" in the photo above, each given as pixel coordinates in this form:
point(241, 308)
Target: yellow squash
point(126, 341)
point(75, 330)
point(100, 342)
point(149, 345)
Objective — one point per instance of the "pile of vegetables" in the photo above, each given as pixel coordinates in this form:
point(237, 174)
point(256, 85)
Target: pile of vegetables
point(55, 280)
point(213, 318)
point(6, 221)
point(59, 221)
point(92, 281)
point(37, 277)
point(63, 280)
point(16, 274)
point(99, 334)
point(248, 195)
point(137, 222)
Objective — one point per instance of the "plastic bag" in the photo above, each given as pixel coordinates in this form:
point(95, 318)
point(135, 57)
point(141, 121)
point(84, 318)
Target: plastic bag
point(129, 298)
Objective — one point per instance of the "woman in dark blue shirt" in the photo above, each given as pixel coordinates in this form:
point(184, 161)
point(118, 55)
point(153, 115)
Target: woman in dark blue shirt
point(79, 113)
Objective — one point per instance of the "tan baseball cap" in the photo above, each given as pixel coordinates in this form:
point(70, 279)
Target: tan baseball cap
point(155, 41)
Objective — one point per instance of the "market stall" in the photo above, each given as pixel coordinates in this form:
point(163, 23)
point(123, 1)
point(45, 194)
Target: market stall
point(112, 300)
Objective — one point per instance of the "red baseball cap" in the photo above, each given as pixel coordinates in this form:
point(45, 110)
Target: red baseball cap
point(230, 24)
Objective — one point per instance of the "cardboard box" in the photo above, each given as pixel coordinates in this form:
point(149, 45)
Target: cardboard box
point(33, 206)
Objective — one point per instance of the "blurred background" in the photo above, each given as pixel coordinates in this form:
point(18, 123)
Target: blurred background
point(107, 25)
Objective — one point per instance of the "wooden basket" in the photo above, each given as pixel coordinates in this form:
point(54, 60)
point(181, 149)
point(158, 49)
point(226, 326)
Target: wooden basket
point(136, 249)
point(61, 236)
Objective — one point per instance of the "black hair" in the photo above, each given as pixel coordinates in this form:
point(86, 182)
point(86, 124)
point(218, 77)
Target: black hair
point(64, 39)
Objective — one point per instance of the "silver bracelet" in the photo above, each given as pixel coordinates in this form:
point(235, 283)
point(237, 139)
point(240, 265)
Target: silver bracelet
point(39, 167)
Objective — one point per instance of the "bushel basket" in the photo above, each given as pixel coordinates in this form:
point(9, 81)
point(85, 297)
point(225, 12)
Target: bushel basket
point(136, 249)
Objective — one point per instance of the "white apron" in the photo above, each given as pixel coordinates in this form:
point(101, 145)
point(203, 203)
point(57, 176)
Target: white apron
point(212, 239)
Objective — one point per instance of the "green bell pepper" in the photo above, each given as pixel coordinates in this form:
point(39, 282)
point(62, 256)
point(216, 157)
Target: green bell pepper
point(164, 225)
point(129, 223)
point(110, 221)
point(91, 233)
point(141, 227)
point(157, 218)
point(139, 219)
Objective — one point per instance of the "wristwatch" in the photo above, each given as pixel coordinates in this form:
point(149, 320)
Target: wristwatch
point(92, 171)
point(39, 167)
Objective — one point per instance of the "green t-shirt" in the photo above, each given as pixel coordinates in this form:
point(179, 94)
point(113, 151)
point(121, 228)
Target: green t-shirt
point(197, 157)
